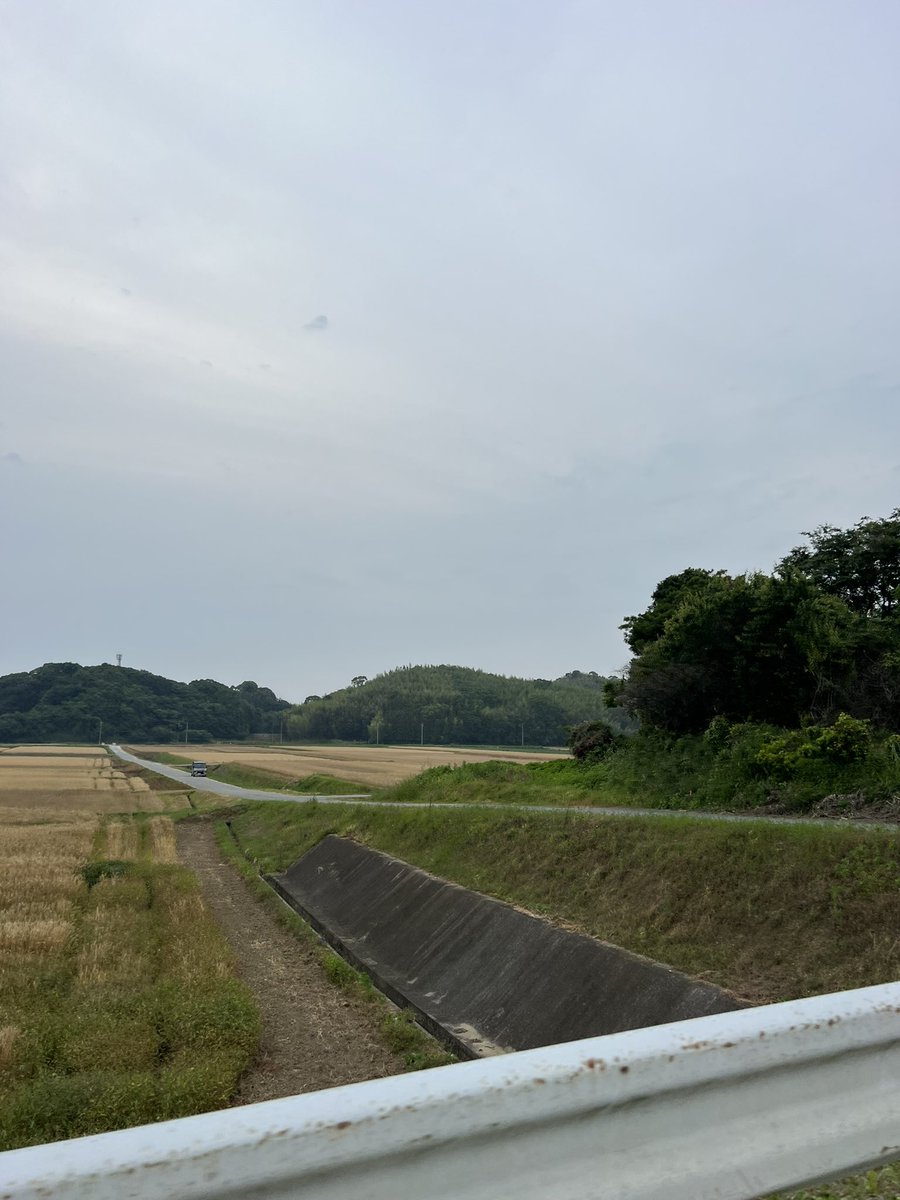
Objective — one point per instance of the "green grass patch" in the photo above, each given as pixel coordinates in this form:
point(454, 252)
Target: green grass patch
point(417, 1049)
point(271, 781)
point(738, 768)
point(883, 1184)
point(560, 781)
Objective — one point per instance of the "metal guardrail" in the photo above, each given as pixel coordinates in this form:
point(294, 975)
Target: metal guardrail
point(721, 1108)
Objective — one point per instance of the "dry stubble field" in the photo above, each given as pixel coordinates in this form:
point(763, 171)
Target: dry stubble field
point(370, 766)
point(118, 1001)
point(70, 778)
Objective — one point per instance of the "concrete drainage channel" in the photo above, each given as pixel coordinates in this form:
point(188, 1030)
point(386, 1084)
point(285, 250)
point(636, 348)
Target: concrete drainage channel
point(480, 975)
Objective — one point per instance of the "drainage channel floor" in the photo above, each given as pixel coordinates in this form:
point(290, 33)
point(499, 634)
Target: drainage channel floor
point(313, 1035)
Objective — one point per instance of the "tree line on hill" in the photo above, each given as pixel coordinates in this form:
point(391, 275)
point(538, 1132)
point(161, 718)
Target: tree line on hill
point(443, 705)
point(62, 702)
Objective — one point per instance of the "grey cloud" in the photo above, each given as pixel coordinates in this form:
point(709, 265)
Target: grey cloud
point(615, 296)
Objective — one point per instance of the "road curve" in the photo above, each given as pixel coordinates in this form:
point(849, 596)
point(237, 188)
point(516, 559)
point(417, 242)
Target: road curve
point(204, 784)
point(591, 810)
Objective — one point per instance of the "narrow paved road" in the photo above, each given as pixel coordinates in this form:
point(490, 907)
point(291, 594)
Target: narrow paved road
point(592, 810)
point(313, 1035)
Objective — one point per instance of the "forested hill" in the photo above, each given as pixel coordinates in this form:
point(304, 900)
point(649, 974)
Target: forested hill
point(62, 702)
point(443, 705)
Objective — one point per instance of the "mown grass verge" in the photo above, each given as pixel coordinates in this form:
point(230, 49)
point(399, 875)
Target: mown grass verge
point(116, 988)
point(417, 1049)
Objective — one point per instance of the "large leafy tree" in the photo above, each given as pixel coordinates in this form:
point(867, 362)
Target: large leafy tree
point(753, 647)
point(860, 565)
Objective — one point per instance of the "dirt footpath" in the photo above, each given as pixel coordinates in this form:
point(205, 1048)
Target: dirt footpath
point(313, 1035)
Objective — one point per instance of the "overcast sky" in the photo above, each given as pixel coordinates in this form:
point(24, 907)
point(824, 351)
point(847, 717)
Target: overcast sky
point(338, 336)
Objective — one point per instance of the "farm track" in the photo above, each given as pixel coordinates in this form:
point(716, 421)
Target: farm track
point(313, 1035)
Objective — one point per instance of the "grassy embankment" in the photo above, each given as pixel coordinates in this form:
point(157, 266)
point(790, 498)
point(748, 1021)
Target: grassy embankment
point(742, 768)
point(771, 912)
point(116, 987)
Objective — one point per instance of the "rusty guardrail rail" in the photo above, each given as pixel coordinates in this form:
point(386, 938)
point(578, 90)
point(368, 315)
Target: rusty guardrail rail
point(720, 1108)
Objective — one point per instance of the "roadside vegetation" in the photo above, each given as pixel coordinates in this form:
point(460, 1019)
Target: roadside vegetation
point(842, 770)
point(116, 988)
point(272, 781)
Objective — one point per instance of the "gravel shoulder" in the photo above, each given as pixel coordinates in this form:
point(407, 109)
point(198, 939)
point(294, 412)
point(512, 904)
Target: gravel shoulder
point(314, 1036)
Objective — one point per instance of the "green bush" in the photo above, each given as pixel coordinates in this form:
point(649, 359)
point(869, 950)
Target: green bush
point(593, 740)
point(107, 868)
point(848, 740)
point(845, 742)
point(718, 733)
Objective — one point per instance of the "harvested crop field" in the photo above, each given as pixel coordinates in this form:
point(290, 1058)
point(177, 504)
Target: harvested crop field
point(69, 775)
point(370, 766)
point(119, 1002)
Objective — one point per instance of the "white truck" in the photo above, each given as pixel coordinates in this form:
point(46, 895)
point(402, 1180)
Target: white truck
point(198, 768)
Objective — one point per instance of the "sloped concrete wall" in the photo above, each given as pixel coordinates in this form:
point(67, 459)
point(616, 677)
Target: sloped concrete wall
point(484, 973)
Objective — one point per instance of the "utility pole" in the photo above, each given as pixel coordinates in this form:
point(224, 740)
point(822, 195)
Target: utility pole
point(422, 733)
point(523, 733)
point(185, 732)
point(100, 734)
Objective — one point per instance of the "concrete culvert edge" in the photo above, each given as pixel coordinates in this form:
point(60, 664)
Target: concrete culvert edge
point(482, 975)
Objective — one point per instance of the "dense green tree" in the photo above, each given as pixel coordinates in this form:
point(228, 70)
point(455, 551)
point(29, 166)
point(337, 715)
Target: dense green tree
point(592, 740)
point(819, 637)
point(860, 565)
point(754, 647)
point(668, 596)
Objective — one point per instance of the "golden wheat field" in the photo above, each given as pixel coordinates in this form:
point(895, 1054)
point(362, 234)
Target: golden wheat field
point(109, 962)
point(372, 765)
point(70, 778)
